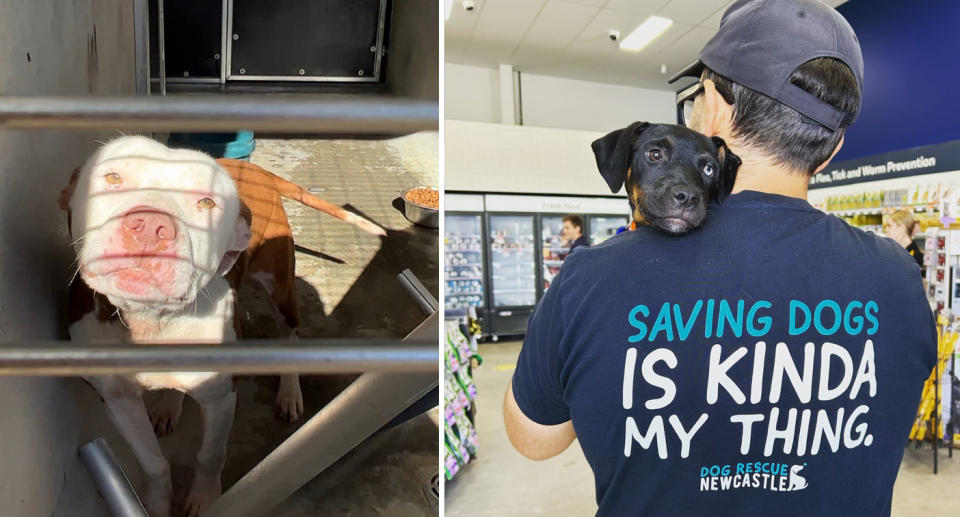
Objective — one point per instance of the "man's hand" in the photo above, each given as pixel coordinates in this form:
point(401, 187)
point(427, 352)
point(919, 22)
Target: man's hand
point(533, 440)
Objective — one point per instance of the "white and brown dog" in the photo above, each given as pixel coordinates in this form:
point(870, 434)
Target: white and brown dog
point(163, 239)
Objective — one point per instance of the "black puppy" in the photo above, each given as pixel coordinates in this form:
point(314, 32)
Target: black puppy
point(671, 173)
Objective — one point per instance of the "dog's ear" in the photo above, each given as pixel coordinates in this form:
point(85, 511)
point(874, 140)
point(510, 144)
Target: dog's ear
point(239, 241)
point(727, 175)
point(613, 153)
point(67, 193)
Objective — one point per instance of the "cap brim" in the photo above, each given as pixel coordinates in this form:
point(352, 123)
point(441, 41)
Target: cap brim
point(692, 70)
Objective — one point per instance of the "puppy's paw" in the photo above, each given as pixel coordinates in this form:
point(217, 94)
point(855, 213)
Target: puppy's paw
point(203, 492)
point(289, 399)
point(165, 414)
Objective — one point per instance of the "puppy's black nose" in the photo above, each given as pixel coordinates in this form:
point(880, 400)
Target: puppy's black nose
point(684, 197)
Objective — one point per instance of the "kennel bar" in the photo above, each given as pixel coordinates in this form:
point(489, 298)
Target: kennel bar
point(141, 44)
point(110, 479)
point(354, 415)
point(296, 113)
point(412, 285)
point(262, 357)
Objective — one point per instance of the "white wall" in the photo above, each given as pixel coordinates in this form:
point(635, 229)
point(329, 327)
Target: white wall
point(590, 106)
point(484, 157)
point(50, 47)
point(473, 94)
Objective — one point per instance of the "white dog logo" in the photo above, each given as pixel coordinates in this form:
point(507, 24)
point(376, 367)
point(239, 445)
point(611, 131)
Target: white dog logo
point(797, 482)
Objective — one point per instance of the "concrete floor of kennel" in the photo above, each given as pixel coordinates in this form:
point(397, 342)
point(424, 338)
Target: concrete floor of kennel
point(501, 483)
point(346, 288)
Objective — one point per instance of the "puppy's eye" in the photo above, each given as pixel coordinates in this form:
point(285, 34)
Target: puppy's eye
point(206, 203)
point(708, 169)
point(113, 178)
point(655, 155)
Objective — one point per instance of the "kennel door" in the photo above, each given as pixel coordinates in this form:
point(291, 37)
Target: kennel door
point(192, 37)
point(306, 40)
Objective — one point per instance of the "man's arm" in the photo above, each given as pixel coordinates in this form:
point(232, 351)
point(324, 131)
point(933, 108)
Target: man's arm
point(533, 440)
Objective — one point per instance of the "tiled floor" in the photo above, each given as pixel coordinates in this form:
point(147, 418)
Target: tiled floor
point(347, 288)
point(502, 483)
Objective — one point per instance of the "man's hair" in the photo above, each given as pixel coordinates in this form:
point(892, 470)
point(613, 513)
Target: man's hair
point(575, 220)
point(790, 138)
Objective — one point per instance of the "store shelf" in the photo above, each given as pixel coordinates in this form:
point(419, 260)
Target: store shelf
point(882, 210)
point(455, 278)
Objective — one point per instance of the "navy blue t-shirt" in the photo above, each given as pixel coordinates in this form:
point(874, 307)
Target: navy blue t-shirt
point(770, 362)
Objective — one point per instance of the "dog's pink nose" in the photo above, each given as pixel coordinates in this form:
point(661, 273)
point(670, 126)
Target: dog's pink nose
point(150, 228)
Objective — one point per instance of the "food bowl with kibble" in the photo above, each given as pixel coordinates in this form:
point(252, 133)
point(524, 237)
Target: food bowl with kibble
point(421, 205)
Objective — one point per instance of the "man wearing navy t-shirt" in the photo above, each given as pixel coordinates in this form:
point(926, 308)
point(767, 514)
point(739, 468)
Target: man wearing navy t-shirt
point(769, 362)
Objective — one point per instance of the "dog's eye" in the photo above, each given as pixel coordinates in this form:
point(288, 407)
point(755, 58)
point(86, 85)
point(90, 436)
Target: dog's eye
point(708, 169)
point(655, 155)
point(113, 178)
point(206, 203)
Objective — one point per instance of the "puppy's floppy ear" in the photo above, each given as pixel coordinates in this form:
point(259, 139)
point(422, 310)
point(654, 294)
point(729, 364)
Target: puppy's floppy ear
point(67, 193)
point(613, 153)
point(727, 175)
point(239, 241)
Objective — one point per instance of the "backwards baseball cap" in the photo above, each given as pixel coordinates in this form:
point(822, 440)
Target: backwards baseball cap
point(762, 42)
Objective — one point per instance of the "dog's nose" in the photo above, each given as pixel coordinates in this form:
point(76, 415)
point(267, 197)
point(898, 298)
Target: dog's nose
point(150, 227)
point(684, 196)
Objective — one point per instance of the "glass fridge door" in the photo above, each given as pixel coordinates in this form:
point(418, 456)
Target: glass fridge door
point(463, 263)
point(512, 264)
point(602, 227)
point(554, 248)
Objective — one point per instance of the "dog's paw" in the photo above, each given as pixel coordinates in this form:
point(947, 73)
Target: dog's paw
point(165, 414)
point(289, 399)
point(203, 492)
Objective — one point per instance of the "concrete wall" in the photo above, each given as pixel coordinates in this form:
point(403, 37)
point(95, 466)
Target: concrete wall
point(49, 47)
point(414, 50)
point(473, 93)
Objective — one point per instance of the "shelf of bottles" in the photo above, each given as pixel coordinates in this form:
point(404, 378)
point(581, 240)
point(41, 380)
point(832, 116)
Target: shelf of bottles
point(512, 265)
point(463, 262)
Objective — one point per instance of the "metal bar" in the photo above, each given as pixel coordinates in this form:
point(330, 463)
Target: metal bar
point(162, 51)
point(339, 114)
point(110, 479)
point(428, 304)
point(141, 45)
point(250, 357)
point(359, 411)
point(365, 406)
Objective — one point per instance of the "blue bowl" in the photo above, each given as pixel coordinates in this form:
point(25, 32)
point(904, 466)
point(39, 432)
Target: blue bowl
point(239, 145)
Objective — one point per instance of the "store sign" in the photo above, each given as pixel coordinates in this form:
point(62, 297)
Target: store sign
point(555, 204)
point(898, 164)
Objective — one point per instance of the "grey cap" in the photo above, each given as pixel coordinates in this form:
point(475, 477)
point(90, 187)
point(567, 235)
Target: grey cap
point(761, 42)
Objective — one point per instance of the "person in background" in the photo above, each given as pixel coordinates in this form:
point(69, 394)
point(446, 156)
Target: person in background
point(900, 226)
point(573, 232)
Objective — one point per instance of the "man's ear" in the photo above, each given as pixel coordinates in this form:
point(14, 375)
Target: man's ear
point(727, 175)
point(613, 153)
point(239, 241)
point(67, 193)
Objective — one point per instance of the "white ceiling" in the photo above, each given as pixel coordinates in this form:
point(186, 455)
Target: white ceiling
point(569, 38)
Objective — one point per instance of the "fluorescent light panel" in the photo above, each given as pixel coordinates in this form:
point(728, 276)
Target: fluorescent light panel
point(645, 33)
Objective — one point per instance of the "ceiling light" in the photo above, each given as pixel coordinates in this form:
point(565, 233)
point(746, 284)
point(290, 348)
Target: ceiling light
point(447, 7)
point(645, 33)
